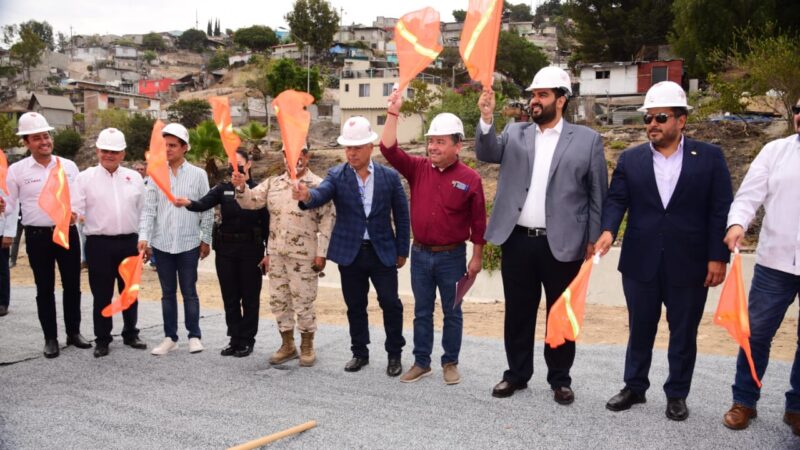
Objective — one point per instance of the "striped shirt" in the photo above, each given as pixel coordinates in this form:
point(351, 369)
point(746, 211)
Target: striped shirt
point(172, 229)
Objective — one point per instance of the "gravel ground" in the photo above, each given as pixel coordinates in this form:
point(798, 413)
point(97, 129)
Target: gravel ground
point(131, 399)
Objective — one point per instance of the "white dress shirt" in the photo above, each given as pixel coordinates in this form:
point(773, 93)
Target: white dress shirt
point(25, 180)
point(772, 181)
point(667, 171)
point(365, 189)
point(110, 202)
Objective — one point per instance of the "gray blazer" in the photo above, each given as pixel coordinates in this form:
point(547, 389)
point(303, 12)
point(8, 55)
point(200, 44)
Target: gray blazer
point(575, 191)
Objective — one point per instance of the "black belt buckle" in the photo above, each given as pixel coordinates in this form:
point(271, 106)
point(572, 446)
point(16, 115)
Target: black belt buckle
point(366, 243)
point(537, 232)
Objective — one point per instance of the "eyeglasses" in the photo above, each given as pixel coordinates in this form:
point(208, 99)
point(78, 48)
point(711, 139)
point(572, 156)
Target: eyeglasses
point(660, 118)
point(796, 109)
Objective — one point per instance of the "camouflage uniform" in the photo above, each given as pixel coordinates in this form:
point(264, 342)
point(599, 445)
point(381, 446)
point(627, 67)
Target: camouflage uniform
point(295, 238)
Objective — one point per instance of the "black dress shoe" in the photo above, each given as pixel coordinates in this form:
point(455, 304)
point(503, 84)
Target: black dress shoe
point(135, 342)
point(355, 364)
point(624, 400)
point(78, 341)
point(676, 409)
point(3, 310)
point(100, 350)
point(229, 350)
point(563, 395)
point(51, 348)
point(243, 351)
point(505, 389)
point(395, 367)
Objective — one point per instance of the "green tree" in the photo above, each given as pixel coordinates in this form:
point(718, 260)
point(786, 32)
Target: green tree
point(149, 56)
point(207, 148)
point(137, 136)
point(189, 112)
point(66, 143)
point(460, 15)
point(153, 41)
point(421, 101)
point(518, 59)
point(462, 102)
point(702, 28)
point(550, 8)
point(286, 74)
point(257, 37)
point(110, 118)
point(217, 33)
point(518, 13)
point(63, 42)
point(218, 61)
point(313, 22)
point(41, 29)
point(194, 40)
point(28, 51)
point(8, 132)
point(252, 134)
point(209, 31)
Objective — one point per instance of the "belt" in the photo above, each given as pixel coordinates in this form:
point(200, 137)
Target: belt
point(236, 237)
point(114, 237)
point(35, 229)
point(366, 243)
point(436, 248)
point(531, 232)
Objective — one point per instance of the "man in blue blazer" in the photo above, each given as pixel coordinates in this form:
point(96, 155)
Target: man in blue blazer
point(367, 196)
point(677, 193)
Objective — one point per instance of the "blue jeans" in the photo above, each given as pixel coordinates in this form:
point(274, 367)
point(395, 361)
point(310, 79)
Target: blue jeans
point(429, 271)
point(172, 269)
point(771, 293)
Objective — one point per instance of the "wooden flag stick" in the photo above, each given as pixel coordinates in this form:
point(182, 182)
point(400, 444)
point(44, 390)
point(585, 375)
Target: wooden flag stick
point(275, 436)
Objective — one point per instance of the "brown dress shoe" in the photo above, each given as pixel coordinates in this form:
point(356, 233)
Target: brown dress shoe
point(792, 419)
point(738, 417)
point(505, 389)
point(563, 395)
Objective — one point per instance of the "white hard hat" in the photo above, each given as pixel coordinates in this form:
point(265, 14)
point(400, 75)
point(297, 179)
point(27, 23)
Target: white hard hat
point(111, 139)
point(551, 77)
point(665, 94)
point(32, 123)
point(356, 131)
point(445, 124)
point(177, 130)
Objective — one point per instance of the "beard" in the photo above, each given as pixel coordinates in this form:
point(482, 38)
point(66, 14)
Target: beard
point(546, 116)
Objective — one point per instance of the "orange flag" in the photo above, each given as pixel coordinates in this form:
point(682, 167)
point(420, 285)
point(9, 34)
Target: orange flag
point(157, 167)
point(417, 38)
point(130, 269)
point(566, 316)
point(222, 117)
point(3, 171)
point(479, 39)
point(54, 200)
point(294, 120)
point(732, 311)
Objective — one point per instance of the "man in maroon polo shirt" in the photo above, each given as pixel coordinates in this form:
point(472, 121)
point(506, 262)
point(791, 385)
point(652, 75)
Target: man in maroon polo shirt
point(447, 208)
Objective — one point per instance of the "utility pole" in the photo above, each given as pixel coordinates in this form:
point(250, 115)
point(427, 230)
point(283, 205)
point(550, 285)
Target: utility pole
point(196, 23)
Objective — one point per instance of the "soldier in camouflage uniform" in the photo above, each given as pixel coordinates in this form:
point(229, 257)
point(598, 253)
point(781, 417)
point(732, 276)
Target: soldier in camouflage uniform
point(298, 243)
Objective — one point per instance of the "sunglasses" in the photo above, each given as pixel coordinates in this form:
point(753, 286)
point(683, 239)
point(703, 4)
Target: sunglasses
point(796, 109)
point(660, 118)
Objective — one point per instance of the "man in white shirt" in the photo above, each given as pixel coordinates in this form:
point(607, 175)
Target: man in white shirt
point(25, 180)
point(109, 198)
point(178, 238)
point(771, 182)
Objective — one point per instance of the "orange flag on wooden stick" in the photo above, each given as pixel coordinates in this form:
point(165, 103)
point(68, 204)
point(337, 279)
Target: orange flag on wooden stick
point(54, 200)
point(417, 38)
point(130, 269)
point(157, 167)
point(294, 120)
point(566, 316)
point(732, 311)
point(3, 171)
point(479, 39)
point(222, 117)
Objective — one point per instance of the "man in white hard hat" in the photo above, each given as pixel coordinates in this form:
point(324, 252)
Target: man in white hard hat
point(771, 182)
point(178, 238)
point(26, 179)
point(447, 209)
point(546, 217)
point(109, 198)
point(676, 192)
point(368, 198)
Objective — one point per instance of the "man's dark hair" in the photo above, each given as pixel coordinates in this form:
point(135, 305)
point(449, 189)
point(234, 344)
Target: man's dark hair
point(561, 92)
point(679, 111)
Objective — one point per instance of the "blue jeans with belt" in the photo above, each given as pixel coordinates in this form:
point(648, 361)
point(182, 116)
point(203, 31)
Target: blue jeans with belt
point(173, 269)
point(430, 271)
point(771, 294)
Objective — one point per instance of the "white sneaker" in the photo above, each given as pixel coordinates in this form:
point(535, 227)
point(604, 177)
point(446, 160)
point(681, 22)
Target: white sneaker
point(166, 346)
point(195, 346)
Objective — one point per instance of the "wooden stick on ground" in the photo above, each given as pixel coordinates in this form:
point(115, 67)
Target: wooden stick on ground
point(275, 436)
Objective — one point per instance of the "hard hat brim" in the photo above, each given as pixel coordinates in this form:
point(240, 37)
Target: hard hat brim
point(357, 142)
point(645, 108)
point(111, 149)
point(38, 130)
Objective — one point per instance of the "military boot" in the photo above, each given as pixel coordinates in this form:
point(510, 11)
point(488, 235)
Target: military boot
point(307, 355)
point(287, 351)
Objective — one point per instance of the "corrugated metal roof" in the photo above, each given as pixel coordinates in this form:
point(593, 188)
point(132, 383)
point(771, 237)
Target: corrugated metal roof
point(53, 102)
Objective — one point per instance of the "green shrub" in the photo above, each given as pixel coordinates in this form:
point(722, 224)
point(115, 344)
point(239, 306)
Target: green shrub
point(66, 143)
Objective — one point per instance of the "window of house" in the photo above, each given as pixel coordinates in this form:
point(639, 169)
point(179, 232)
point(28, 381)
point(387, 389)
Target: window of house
point(602, 74)
point(659, 74)
point(382, 119)
point(347, 87)
point(363, 90)
point(387, 89)
point(410, 93)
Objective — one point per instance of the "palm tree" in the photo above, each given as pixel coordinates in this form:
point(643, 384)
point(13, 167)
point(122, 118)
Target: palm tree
point(207, 146)
point(252, 133)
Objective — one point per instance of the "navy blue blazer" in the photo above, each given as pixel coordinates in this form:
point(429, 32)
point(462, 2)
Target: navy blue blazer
point(688, 233)
point(388, 202)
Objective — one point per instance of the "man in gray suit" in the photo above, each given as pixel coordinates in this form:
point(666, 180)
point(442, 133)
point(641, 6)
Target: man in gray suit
point(546, 217)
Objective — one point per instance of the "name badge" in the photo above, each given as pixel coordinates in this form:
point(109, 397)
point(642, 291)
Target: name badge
point(228, 193)
point(461, 186)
